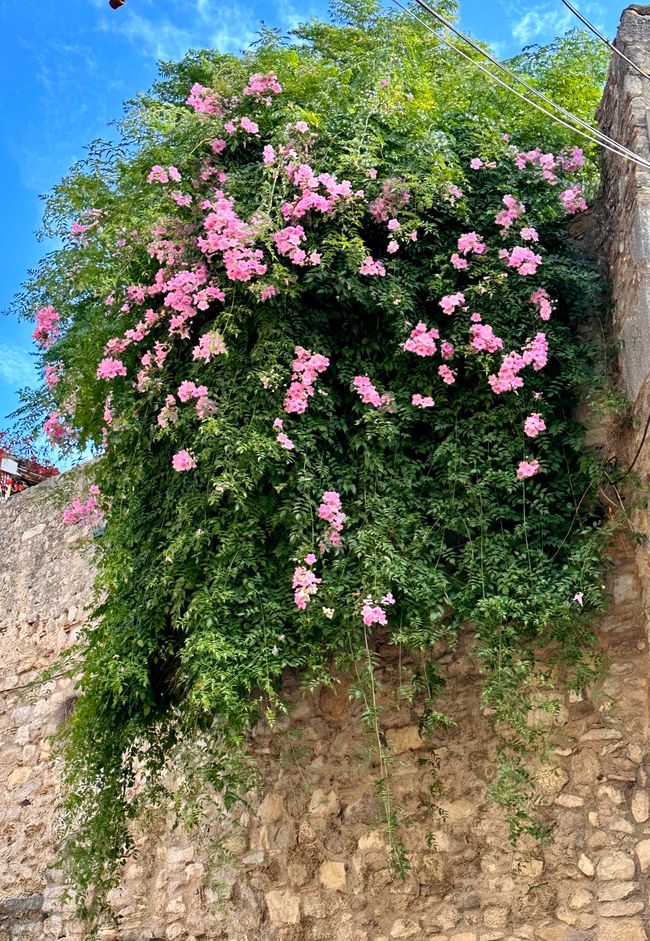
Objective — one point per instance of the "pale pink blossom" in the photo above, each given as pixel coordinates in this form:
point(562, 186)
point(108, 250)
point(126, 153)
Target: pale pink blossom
point(183, 461)
point(528, 469)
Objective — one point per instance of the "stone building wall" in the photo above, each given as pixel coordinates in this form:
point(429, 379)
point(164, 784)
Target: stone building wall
point(625, 199)
point(307, 858)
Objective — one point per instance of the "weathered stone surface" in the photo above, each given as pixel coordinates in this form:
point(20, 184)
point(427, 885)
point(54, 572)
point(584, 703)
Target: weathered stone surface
point(619, 930)
point(404, 929)
point(640, 806)
point(271, 809)
point(283, 907)
point(311, 863)
point(642, 850)
point(324, 804)
point(405, 739)
point(332, 875)
point(586, 866)
point(617, 866)
point(580, 899)
point(617, 909)
point(613, 891)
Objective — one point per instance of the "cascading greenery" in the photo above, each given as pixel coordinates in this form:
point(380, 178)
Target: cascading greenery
point(215, 245)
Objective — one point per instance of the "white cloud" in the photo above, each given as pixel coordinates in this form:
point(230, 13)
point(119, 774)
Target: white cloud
point(550, 20)
point(188, 24)
point(16, 367)
point(204, 23)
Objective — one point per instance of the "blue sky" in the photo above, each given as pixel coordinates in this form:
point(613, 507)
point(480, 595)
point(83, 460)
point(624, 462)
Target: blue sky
point(66, 66)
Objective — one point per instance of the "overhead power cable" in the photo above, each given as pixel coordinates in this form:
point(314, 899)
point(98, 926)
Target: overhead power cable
point(602, 139)
point(592, 135)
point(615, 49)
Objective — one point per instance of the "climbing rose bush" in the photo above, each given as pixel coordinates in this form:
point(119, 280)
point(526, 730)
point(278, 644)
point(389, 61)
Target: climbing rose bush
point(331, 386)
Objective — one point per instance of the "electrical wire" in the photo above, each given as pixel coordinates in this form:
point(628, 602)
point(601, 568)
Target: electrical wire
point(611, 45)
point(522, 81)
point(594, 136)
point(603, 140)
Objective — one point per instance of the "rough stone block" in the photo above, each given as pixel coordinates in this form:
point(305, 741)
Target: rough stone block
point(283, 907)
point(405, 739)
point(332, 875)
point(640, 806)
point(616, 866)
point(622, 931)
point(324, 805)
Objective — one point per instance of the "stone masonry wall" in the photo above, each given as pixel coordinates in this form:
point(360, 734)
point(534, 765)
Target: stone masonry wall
point(625, 199)
point(308, 859)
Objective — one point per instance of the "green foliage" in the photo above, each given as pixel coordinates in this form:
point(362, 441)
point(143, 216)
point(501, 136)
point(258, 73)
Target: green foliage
point(195, 625)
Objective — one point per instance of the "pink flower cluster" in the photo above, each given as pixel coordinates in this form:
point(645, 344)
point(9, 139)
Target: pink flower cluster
point(330, 511)
point(52, 374)
point(534, 424)
point(573, 200)
point(450, 302)
point(307, 366)
point(370, 266)
point(47, 329)
point(422, 401)
point(508, 378)
point(158, 174)
point(228, 235)
point(574, 160)
point(484, 339)
point(189, 390)
point(56, 429)
point(529, 234)
point(89, 513)
point(305, 179)
point(168, 414)
point(261, 86)
point(187, 292)
point(368, 393)
point(567, 161)
point(528, 469)
point(305, 583)
point(447, 375)
point(523, 259)
point(372, 613)
point(510, 214)
point(209, 345)
point(471, 242)
point(542, 301)
point(283, 439)
point(110, 367)
point(204, 101)
point(394, 196)
point(287, 241)
point(546, 162)
point(183, 461)
point(422, 341)
point(535, 353)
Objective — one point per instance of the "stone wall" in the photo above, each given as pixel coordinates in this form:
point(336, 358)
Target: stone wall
point(625, 198)
point(307, 858)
